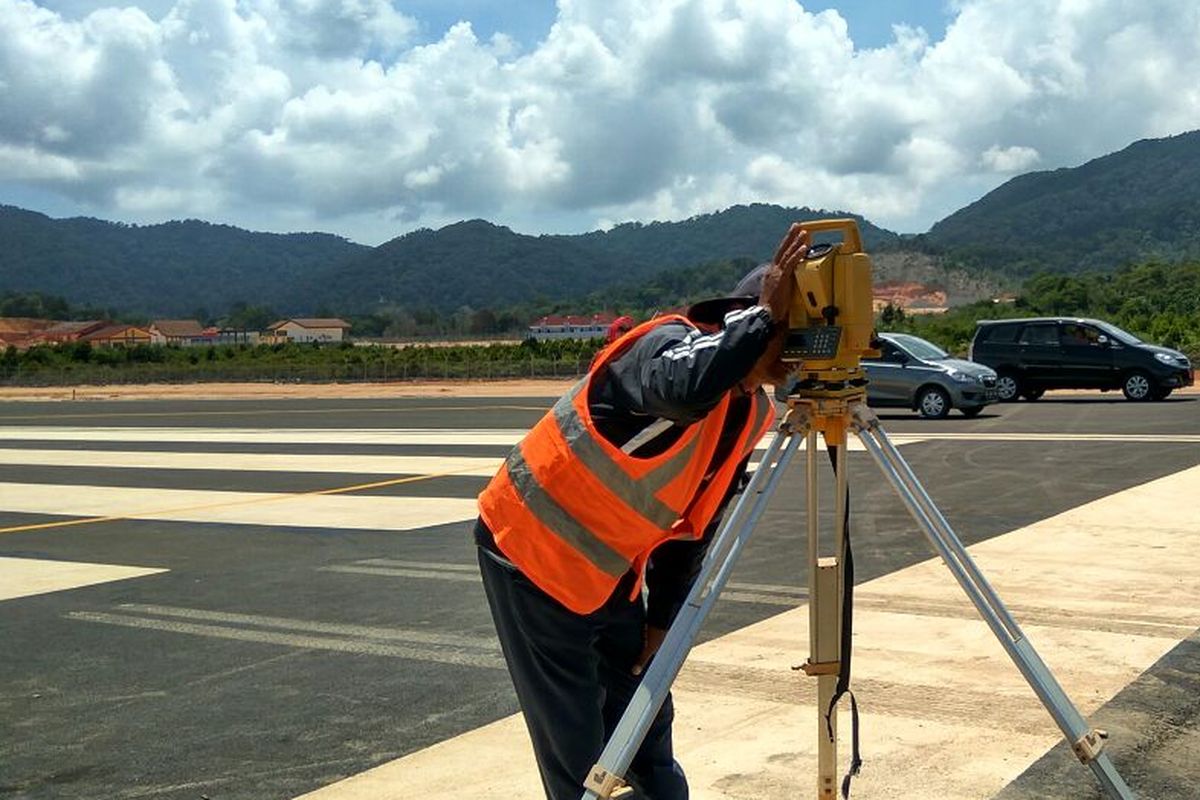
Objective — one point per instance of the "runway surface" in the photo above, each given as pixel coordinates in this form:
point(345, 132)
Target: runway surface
point(250, 599)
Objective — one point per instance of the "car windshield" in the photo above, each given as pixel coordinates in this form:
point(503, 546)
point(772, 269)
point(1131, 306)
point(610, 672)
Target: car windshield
point(1121, 336)
point(918, 347)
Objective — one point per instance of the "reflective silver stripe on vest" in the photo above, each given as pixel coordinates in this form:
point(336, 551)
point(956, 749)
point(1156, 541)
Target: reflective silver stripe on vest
point(637, 494)
point(559, 520)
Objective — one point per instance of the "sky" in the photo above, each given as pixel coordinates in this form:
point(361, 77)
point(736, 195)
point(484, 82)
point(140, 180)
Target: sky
point(371, 118)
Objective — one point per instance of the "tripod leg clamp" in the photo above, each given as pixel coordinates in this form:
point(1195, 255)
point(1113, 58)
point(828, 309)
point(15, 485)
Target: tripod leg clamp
point(1089, 745)
point(605, 784)
point(819, 668)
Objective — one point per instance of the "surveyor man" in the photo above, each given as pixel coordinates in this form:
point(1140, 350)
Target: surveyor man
point(622, 483)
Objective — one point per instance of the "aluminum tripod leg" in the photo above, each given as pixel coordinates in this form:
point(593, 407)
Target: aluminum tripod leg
point(608, 773)
point(1085, 741)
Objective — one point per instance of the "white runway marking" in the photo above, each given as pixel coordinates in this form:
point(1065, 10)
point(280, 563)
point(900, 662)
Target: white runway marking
point(362, 512)
point(1103, 591)
point(254, 462)
point(470, 651)
point(22, 577)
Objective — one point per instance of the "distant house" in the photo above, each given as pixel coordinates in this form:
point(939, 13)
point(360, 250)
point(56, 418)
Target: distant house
point(182, 332)
point(309, 330)
point(554, 326)
point(117, 335)
point(63, 332)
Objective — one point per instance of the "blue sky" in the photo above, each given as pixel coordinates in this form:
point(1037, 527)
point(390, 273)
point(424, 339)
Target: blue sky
point(528, 21)
point(370, 118)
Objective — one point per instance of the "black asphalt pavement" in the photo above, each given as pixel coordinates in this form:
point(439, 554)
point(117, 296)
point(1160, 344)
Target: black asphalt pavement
point(271, 660)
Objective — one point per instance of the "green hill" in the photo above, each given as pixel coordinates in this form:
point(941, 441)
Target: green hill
point(1141, 203)
point(178, 267)
point(173, 268)
point(479, 264)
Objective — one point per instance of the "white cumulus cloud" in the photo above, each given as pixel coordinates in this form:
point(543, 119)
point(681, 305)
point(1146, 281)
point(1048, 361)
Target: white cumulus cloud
point(329, 114)
point(1009, 159)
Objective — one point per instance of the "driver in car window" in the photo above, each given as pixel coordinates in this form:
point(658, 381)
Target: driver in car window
point(1079, 336)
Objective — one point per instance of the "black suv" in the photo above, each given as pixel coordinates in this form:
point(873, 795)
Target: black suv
point(1033, 355)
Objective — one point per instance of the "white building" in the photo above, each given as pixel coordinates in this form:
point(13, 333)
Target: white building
point(182, 332)
point(309, 330)
point(555, 326)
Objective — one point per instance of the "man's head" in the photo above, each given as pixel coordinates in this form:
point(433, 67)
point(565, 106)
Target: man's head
point(712, 312)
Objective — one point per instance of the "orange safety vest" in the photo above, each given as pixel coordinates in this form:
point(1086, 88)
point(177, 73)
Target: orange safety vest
point(574, 512)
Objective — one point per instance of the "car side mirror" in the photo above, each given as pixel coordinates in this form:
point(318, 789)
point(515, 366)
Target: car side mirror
point(1102, 339)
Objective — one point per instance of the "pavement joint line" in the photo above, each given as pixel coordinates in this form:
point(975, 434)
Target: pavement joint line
point(393, 562)
point(393, 572)
point(281, 496)
point(358, 646)
point(487, 643)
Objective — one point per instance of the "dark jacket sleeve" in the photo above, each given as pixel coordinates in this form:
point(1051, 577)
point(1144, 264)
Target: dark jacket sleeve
point(679, 373)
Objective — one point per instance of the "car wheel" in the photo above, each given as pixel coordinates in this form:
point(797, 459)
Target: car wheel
point(974, 411)
point(1137, 386)
point(933, 403)
point(1008, 388)
point(1033, 394)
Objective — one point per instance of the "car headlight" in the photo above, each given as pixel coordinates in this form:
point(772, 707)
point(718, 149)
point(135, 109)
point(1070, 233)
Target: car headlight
point(960, 377)
point(1166, 358)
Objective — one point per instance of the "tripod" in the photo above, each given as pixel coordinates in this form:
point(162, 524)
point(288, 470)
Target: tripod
point(834, 415)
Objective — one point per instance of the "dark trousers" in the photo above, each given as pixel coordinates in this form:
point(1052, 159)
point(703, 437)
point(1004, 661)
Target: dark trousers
point(571, 673)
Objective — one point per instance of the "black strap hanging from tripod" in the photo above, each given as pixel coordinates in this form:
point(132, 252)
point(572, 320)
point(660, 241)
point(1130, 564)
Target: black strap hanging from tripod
point(843, 684)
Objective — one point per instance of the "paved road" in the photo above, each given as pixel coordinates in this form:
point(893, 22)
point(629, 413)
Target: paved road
point(282, 593)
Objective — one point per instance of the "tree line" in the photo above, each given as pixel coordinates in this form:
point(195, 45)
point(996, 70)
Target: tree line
point(1156, 301)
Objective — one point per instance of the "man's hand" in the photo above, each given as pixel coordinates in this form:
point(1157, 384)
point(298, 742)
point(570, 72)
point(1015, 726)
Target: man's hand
point(776, 296)
point(652, 640)
point(779, 281)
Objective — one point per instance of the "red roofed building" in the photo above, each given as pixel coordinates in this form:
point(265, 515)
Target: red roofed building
point(61, 332)
point(554, 326)
point(117, 335)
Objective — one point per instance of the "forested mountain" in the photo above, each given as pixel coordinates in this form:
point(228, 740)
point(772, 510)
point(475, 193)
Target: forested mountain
point(1141, 203)
point(751, 231)
point(479, 264)
point(179, 267)
point(173, 268)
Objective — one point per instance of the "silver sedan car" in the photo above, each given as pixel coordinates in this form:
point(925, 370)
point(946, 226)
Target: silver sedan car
point(913, 373)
